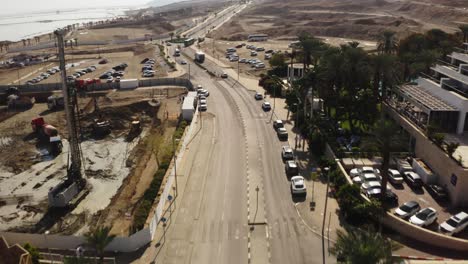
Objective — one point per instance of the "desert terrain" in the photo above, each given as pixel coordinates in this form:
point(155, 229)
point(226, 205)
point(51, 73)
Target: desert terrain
point(355, 19)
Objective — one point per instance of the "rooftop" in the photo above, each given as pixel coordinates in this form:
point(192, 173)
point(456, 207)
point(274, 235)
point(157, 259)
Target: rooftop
point(459, 56)
point(425, 99)
point(451, 73)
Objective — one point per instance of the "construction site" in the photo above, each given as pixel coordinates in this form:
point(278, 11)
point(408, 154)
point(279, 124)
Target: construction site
point(72, 160)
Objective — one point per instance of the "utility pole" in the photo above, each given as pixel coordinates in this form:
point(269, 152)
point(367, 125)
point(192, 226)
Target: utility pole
point(296, 125)
point(238, 70)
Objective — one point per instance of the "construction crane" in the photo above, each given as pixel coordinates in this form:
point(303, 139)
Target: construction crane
point(74, 185)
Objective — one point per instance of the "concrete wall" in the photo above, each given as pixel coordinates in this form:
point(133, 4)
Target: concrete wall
point(439, 162)
point(119, 244)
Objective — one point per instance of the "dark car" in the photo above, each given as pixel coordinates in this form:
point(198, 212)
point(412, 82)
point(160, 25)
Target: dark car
point(105, 76)
point(438, 192)
point(413, 180)
point(291, 168)
point(282, 134)
point(144, 60)
point(103, 61)
point(278, 124)
point(391, 198)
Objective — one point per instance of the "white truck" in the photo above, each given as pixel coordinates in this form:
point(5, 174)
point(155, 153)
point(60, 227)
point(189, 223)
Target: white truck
point(128, 84)
point(189, 106)
point(199, 57)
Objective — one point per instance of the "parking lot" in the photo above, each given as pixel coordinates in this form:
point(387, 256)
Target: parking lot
point(425, 199)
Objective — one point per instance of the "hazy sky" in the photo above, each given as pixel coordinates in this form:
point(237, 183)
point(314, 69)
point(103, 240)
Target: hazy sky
point(28, 6)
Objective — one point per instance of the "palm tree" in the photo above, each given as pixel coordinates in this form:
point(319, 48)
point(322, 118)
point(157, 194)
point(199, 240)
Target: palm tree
point(386, 74)
point(387, 139)
point(388, 44)
point(98, 239)
point(464, 30)
point(363, 247)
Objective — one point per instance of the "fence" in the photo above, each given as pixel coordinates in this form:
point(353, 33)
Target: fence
point(158, 213)
point(50, 87)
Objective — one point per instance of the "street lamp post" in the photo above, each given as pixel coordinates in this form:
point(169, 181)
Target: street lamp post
point(296, 125)
point(46, 233)
point(175, 165)
point(188, 71)
point(327, 169)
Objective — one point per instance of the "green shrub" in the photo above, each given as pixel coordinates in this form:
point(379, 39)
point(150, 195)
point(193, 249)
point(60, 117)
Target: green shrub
point(438, 139)
point(35, 256)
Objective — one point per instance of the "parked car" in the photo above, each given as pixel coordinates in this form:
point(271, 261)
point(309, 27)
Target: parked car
point(407, 209)
point(117, 79)
point(287, 153)
point(395, 177)
point(266, 106)
point(202, 107)
point(269, 51)
point(371, 188)
point(278, 124)
point(260, 49)
point(291, 168)
point(203, 101)
point(258, 96)
point(110, 79)
point(359, 171)
point(253, 53)
point(366, 177)
point(454, 224)
point(239, 46)
point(390, 198)
point(148, 74)
point(282, 134)
point(438, 192)
point(413, 179)
point(298, 185)
point(243, 60)
point(103, 61)
point(224, 75)
point(424, 217)
point(260, 65)
point(267, 56)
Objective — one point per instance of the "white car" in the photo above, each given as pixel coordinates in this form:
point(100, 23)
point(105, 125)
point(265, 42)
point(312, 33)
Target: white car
point(395, 177)
point(359, 171)
point(454, 224)
point(258, 96)
point(183, 62)
point(260, 65)
point(203, 101)
point(266, 106)
point(253, 53)
point(366, 177)
point(424, 217)
point(407, 209)
point(287, 153)
point(202, 107)
point(371, 188)
point(243, 60)
point(298, 185)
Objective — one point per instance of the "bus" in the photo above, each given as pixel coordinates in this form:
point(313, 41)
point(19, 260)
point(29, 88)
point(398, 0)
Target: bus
point(258, 37)
point(189, 42)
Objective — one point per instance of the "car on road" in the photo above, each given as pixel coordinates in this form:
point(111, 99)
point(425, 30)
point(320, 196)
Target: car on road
point(224, 75)
point(266, 106)
point(394, 176)
point(258, 96)
point(407, 209)
point(424, 217)
point(168, 44)
point(278, 124)
point(183, 62)
point(454, 224)
point(298, 185)
point(282, 134)
point(413, 179)
point(287, 153)
point(202, 107)
point(438, 192)
point(291, 168)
